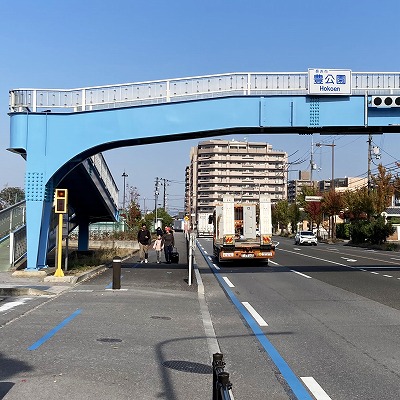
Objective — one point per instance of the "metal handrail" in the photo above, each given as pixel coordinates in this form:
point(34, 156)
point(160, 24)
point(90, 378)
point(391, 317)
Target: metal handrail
point(189, 88)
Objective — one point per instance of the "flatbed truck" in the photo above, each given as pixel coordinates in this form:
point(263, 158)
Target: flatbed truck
point(243, 231)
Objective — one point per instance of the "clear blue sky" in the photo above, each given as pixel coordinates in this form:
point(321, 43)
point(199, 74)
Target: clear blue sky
point(67, 44)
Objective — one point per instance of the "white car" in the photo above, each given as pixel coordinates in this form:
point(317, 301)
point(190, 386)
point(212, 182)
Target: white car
point(303, 237)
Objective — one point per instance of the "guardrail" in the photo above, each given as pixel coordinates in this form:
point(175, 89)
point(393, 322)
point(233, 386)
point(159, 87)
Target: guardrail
point(222, 387)
point(185, 89)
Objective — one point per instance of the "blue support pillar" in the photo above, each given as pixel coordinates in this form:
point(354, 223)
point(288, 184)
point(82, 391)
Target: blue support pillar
point(83, 237)
point(44, 235)
point(33, 224)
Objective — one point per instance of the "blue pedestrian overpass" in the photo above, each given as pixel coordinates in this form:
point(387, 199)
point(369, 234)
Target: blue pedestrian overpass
point(59, 128)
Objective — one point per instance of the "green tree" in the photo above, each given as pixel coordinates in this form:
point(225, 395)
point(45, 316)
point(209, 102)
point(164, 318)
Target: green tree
point(133, 214)
point(10, 196)
point(314, 211)
point(294, 216)
point(280, 215)
point(359, 204)
point(383, 189)
point(161, 213)
point(332, 204)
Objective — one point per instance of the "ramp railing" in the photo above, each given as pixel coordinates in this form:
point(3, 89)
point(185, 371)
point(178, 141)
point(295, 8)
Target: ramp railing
point(189, 88)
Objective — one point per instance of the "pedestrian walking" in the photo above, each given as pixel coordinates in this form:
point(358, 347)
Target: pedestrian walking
point(144, 239)
point(158, 246)
point(169, 243)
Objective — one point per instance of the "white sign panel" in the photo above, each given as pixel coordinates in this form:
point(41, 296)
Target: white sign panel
point(329, 81)
point(313, 198)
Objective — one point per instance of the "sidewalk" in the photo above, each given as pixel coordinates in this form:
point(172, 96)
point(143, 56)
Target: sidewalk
point(156, 319)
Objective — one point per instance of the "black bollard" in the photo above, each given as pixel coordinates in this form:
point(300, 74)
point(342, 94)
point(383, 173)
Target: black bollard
point(116, 284)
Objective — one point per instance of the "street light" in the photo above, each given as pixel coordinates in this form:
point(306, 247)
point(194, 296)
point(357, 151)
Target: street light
point(333, 159)
point(124, 175)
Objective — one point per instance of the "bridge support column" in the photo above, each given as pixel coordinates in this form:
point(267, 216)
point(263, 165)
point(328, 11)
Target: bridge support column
point(83, 237)
point(44, 235)
point(34, 233)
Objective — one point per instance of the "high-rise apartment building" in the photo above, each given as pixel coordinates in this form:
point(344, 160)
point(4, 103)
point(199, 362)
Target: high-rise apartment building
point(243, 169)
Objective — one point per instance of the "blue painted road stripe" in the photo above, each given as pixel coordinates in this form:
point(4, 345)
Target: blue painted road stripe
point(51, 333)
point(293, 381)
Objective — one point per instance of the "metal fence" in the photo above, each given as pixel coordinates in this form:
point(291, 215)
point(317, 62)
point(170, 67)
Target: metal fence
point(222, 387)
point(190, 88)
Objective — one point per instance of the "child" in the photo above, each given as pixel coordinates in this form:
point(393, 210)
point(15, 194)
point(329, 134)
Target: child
point(158, 246)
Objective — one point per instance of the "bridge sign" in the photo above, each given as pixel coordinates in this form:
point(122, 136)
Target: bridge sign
point(329, 81)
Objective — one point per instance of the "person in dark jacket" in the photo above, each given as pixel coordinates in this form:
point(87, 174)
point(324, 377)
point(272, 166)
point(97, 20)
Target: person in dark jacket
point(169, 243)
point(144, 239)
point(159, 231)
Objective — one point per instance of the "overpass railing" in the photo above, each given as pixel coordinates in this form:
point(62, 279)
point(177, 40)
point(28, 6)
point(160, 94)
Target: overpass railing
point(190, 88)
point(12, 218)
point(101, 166)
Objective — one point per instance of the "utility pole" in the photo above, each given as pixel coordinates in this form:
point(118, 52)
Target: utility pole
point(156, 193)
point(369, 141)
point(312, 162)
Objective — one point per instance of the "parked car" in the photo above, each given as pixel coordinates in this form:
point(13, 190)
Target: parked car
point(305, 237)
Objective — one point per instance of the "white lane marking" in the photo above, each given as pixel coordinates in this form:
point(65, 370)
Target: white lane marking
point(299, 273)
point(205, 252)
point(13, 304)
point(296, 248)
point(228, 282)
point(348, 259)
point(375, 273)
point(216, 266)
point(260, 321)
point(364, 270)
point(381, 267)
point(388, 276)
point(315, 388)
point(272, 262)
point(396, 259)
point(210, 258)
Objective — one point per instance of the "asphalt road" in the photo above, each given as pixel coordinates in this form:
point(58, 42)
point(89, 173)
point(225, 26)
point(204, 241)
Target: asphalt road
point(316, 323)
point(330, 311)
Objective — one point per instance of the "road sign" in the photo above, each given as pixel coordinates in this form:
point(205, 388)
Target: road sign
point(313, 198)
point(322, 81)
point(186, 218)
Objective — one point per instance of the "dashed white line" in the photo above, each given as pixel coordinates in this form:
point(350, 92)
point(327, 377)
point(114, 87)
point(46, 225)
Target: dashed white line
point(375, 273)
point(228, 282)
point(260, 321)
point(315, 388)
point(216, 266)
point(299, 273)
point(272, 262)
point(388, 276)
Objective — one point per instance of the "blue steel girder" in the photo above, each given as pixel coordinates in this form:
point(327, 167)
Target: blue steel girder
point(53, 142)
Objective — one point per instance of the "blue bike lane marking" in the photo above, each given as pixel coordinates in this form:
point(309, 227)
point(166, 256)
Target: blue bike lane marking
point(292, 380)
point(51, 333)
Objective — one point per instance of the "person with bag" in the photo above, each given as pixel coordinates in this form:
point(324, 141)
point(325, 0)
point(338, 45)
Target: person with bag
point(169, 243)
point(158, 246)
point(144, 239)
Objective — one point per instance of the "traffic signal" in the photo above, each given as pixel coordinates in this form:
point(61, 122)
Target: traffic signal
point(385, 101)
point(61, 201)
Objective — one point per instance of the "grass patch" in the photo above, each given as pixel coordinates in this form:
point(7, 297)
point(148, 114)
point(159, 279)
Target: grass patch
point(82, 261)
